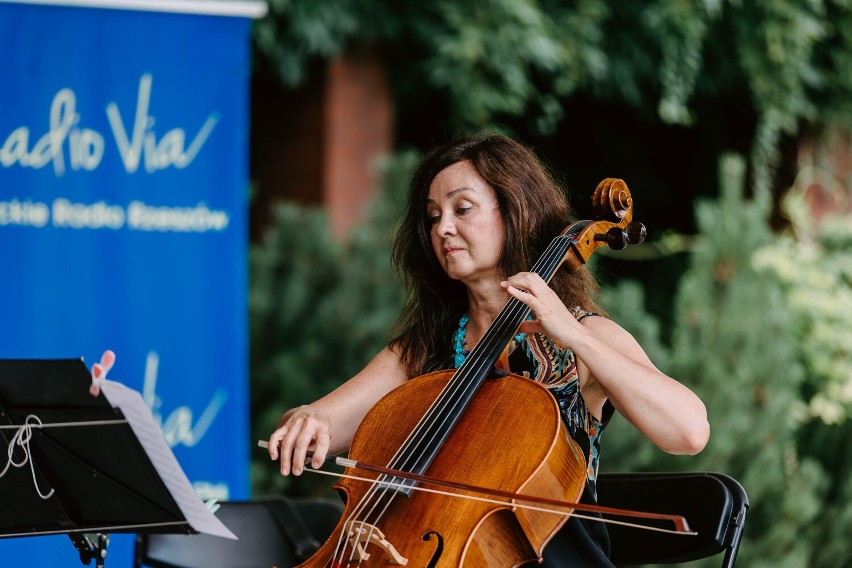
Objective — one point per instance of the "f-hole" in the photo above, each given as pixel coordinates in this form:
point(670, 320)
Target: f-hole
point(438, 549)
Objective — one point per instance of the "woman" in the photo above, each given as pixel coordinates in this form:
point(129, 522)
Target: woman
point(480, 213)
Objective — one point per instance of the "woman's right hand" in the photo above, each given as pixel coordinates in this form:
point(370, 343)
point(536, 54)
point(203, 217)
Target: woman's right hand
point(300, 431)
point(309, 429)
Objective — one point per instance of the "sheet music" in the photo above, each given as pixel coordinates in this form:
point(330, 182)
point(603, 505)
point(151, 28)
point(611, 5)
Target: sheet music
point(139, 417)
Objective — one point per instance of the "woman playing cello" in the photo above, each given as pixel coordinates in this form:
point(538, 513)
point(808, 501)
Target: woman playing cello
point(479, 212)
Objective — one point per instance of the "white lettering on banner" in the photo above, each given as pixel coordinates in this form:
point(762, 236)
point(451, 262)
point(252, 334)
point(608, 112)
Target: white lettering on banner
point(137, 216)
point(29, 213)
point(84, 216)
point(178, 428)
point(86, 147)
point(181, 219)
point(158, 155)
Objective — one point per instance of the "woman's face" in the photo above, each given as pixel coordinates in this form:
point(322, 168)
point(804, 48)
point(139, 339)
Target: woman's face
point(466, 224)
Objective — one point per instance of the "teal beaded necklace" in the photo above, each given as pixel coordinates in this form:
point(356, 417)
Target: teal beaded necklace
point(459, 343)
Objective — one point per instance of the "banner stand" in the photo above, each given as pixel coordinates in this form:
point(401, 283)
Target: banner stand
point(124, 198)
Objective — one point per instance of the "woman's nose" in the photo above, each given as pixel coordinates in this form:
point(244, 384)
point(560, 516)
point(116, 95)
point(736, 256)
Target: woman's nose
point(446, 226)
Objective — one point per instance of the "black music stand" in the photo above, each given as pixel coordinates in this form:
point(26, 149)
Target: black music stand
point(103, 477)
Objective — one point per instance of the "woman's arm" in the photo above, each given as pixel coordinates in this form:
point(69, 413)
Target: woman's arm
point(663, 409)
point(328, 425)
point(612, 365)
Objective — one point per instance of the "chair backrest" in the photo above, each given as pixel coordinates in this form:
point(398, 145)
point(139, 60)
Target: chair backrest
point(272, 531)
point(714, 505)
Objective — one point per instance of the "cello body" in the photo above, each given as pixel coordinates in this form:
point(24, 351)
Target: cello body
point(511, 437)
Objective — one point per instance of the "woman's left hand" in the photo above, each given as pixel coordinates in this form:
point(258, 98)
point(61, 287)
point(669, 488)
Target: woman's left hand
point(550, 316)
point(667, 412)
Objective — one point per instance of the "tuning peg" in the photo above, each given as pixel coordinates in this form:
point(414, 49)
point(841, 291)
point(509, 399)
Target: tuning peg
point(635, 233)
point(615, 238)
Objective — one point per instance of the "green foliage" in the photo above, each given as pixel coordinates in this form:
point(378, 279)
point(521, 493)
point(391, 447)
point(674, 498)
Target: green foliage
point(735, 343)
point(293, 274)
point(789, 60)
point(778, 40)
point(682, 29)
point(503, 57)
point(815, 266)
point(294, 32)
point(319, 310)
point(513, 57)
point(813, 263)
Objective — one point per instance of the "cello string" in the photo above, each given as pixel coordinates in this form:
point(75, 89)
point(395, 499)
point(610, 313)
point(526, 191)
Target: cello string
point(375, 499)
point(469, 376)
point(475, 366)
point(371, 500)
point(445, 408)
point(386, 485)
point(367, 506)
point(466, 379)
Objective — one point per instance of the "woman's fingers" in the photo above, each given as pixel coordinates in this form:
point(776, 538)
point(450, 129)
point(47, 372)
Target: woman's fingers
point(275, 441)
point(287, 443)
point(532, 290)
point(551, 316)
point(304, 436)
point(304, 444)
point(323, 440)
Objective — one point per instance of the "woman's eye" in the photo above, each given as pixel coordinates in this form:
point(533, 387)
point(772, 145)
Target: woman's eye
point(433, 219)
point(462, 210)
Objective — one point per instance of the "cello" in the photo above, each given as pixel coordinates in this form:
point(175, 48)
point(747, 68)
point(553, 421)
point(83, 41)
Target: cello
point(471, 429)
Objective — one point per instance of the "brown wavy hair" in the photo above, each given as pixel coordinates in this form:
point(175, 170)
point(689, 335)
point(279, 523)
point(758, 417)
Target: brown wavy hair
point(535, 210)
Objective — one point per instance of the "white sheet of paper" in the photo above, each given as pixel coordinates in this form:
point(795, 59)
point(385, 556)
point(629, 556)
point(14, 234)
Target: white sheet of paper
point(142, 422)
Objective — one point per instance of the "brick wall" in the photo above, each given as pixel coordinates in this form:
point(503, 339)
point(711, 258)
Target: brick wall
point(358, 129)
point(320, 144)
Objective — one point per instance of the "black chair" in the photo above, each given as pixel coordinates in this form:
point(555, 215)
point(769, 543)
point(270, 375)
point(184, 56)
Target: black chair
point(714, 504)
point(273, 531)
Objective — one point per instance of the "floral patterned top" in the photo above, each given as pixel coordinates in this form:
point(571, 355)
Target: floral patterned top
point(536, 357)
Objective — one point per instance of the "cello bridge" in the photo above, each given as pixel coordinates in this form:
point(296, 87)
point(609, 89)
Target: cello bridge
point(360, 534)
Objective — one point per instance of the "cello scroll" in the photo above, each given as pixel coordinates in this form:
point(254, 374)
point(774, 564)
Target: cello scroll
point(612, 199)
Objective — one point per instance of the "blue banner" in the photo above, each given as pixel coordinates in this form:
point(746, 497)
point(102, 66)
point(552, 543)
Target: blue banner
point(123, 221)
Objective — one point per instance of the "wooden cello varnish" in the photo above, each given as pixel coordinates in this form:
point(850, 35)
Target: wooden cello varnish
point(511, 437)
